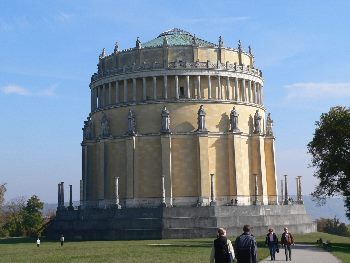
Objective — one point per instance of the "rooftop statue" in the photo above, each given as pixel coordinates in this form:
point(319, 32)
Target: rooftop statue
point(103, 53)
point(138, 43)
point(269, 123)
point(239, 46)
point(221, 42)
point(116, 47)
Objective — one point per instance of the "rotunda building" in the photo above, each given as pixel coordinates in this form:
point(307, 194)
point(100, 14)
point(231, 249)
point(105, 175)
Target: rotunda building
point(177, 121)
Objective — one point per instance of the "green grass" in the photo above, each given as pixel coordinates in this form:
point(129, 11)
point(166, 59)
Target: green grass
point(175, 250)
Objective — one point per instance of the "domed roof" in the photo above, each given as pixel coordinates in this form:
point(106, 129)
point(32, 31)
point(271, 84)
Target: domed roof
point(177, 37)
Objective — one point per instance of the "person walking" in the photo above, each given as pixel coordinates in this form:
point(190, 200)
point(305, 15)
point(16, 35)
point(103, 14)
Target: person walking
point(245, 247)
point(287, 240)
point(38, 242)
point(222, 250)
point(272, 242)
point(62, 240)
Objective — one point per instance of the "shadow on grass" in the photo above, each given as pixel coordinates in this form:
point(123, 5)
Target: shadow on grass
point(340, 247)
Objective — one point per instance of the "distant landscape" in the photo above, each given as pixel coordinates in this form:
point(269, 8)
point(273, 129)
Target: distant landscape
point(333, 207)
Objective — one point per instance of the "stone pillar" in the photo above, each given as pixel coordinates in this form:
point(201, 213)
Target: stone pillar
point(199, 87)
point(204, 183)
point(85, 170)
point(209, 87)
point(188, 91)
point(299, 194)
point(92, 99)
point(212, 191)
point(109, 93)
point(163, 203)
point(104, 101)
point(286, 201)
point(117, 203)
point(59, 196)
point(70, 197)
point(166, 168)
point(155, 88)
point(165, 90)
point(62, 194)
point(117, 92)
point(130, 170)
point(134, 90)
point(261, 94)
point(229, 91)
point(256, 201)
point(282, 192)
point(177, 87)
point(220, 88)
point(250, 91)
point(271, 175)
point(144, 89)
point(125, 90)
point(254, 92)
point(236, 89)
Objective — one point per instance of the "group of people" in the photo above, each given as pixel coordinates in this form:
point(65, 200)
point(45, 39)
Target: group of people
point(244, 249)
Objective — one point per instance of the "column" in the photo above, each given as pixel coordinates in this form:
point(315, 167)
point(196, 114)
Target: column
point(236, 89)
point(92, 99)
point(101, 173)
point(257, 93)
point(95, 98)
point(166, 168)
point(163, 203)
point(219, 87)
point(244, 93)
point(259, 167)
point(59, 196)
point(188, 92)
point(199, 87)
point(125, 90)
point(109, 93)
point(261, 94)
point(177, 87)
point(154, 88)
point(229, 93)
point(165, 88)
point(117, 204)
point(256, 189)
point(62, 194)
point(117, 92)
point(250, 91)
point(85, 170)
point(81, 192)
point(297, 185)
point(209, 87)
point(286, 201)
point(70, 197)
point(144, 89)
point(254, 92)
point(104, 101)
point(134, 89)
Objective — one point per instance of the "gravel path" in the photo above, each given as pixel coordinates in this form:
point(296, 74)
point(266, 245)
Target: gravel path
point(306, 253)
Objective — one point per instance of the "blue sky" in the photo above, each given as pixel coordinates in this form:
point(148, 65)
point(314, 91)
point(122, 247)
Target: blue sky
point(49, 49)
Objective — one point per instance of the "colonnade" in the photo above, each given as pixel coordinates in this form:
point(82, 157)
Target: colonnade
point(125, 90)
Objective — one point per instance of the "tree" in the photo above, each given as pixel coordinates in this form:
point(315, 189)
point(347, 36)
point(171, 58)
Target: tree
point(330, 150)
point(14, 217)
point(2, 216)
point(32, 217)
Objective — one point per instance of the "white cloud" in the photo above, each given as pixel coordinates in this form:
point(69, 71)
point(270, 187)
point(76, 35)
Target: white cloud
point(318, 91)
point(62, 17)
point(21, 91)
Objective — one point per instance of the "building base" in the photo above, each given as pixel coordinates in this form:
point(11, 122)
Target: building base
point(176, 222)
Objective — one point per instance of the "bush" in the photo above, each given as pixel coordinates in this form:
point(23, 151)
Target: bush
point(332, 226)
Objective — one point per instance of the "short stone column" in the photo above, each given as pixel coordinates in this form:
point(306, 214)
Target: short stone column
point(199, 87)
point(134, 90)
point(219, 94)
point(282, 192)
point(125, 90)
point(117, 92)
point(209, 87)
point(250, 91)
point(256, 200)
point(163, 203)
point(109, 93)
point(70, 207)
point(165, 87)
point(144, 89)
point(286, 198)
point(244, 91)
point(155, 88)
point(236, 89)
point(229, 91)
point(177, 95)
point(188, 91)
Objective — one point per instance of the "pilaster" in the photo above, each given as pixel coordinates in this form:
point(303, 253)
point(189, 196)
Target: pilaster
point(101, 173)
point(130, 171)
point(204, 179)
point(271, 175)
point(166, 168)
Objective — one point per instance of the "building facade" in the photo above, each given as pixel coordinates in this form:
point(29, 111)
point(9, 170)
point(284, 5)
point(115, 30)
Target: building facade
point(177, 121)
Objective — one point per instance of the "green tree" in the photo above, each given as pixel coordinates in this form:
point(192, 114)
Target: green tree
point(14, 217)
point(3, 232)
point(330, 150)
point(32, 216)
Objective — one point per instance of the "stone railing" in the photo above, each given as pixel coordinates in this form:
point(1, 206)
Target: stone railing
point(178, 65)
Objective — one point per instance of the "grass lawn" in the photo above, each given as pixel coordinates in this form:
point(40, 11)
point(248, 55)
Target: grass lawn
point(175, 250)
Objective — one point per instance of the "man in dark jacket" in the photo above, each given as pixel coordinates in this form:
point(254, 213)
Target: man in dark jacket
point(245, 247)
point(272, 242)
point(287, 240)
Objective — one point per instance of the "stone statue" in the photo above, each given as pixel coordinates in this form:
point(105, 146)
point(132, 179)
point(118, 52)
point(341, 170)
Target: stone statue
point(103, 53)
point(194, 40)
point(221, 42)
point(165, 121)
point(250, 50)
point(234, 120)
point(138, 43)
point(269, 123)
point(104, 126)
point(239, 46)
point(131, 123)
point(257, 121)
point(201, 120)
point(116, 47)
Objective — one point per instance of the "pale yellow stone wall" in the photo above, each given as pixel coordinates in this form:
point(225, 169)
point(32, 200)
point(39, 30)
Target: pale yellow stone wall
point(270, 167)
